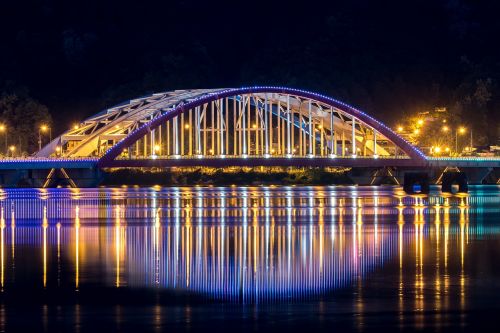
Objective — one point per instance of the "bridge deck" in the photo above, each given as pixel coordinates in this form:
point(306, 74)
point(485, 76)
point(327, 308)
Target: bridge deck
point(250, 161)
point(47, 163)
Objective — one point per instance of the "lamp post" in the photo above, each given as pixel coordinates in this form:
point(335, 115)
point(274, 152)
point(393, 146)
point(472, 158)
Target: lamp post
point(42, 128)
point(470, 142)
point(3, 129)
point(460, 130)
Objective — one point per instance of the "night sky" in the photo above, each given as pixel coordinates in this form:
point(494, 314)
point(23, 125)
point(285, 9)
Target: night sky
point(390, 58)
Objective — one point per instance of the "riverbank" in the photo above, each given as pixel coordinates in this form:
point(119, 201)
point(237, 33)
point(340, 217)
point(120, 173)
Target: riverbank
point(227, 176)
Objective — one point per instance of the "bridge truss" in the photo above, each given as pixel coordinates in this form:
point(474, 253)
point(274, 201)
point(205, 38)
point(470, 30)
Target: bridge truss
point(257, 122)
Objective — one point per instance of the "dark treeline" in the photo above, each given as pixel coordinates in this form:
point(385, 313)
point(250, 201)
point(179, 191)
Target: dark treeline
point(390, 58)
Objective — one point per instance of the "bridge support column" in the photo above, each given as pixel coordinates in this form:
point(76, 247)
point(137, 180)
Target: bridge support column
point(413, 180)
point(384, 176)
point(449, 178)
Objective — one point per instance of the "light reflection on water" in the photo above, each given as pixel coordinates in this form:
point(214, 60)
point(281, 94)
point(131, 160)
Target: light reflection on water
point(246, 244)
point(322, 254)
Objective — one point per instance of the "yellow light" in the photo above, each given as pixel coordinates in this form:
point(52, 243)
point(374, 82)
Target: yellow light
point(444, 121)
point(420, 122)
point(320, 126)
point(43, 128)
point(157, 147)
point(416, 131)
point(447, 149)
point(76, 126)
point(12, 148)
point(2, 127)
point(400, 129)
point(186, 126)
point(254, 125)
point(58, 149)
point(461, 130)
point(437, 150)
point(445, 128)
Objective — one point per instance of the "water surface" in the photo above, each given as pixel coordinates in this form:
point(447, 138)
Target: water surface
point(295, 258)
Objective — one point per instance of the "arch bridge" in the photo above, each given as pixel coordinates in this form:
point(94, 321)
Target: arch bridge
point(243, 126)
point(253, 126)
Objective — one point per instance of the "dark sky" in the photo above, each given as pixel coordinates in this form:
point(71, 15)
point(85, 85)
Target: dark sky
point(387, 57)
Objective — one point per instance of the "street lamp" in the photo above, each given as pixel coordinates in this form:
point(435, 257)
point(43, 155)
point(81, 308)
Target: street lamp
point(12, 150)
point(43, 128)
point(461, 130)
point(400, 129)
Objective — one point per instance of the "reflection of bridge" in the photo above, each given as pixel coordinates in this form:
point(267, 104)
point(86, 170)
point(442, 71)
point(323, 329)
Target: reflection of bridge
point(257, 126)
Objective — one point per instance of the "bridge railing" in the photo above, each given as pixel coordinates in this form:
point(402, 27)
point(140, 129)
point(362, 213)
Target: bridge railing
point(465, 158)
point(195, 157)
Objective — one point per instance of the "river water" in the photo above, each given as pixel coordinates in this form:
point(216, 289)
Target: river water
point(248, 258)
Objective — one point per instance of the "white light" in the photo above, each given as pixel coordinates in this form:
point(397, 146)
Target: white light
point(244, 155)
point(354, 155)
point(310, 155)
point(289, 155)
point(267, 155)
point(154, 157)
point(199, 156)
point(222, 156)
point(177, 156)
point(333, 155)
point(375, 156)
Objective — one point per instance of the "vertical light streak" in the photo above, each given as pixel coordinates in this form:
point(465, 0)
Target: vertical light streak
point(44, 226)
point(58, 226)
point(2, 253)
point(117, 246)
point(77, 247)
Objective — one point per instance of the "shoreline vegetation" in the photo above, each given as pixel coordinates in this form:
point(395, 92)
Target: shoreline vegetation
point(227, 176)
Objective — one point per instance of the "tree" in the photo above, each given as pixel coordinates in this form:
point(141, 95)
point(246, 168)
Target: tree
point(22, 117)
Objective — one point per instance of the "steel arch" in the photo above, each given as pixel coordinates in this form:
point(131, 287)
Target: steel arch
point(405, 146)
